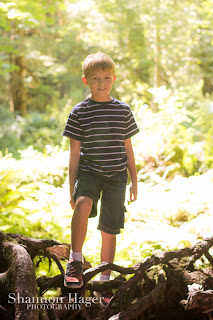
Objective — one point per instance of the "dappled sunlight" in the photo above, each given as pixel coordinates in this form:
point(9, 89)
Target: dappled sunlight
point(177, 216)
point(158, 231)
point(149, 144)
point(202, 226)
point(34, 163)
point(193, 195)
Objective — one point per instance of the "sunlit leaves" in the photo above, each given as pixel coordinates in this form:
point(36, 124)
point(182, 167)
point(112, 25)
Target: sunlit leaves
point(30, 196)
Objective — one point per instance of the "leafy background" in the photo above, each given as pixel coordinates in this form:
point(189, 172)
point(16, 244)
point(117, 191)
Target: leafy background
point(164, 57)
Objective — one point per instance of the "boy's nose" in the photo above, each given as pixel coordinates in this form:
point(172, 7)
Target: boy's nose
point(101, 82)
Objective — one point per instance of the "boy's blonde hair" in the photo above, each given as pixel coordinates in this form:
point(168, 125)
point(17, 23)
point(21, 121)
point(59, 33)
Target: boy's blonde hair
point(96, 61)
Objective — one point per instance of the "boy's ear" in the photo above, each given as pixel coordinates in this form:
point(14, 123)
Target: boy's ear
point(114, 78)
point(84, 79)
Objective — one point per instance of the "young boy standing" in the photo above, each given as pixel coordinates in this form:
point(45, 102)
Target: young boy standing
point(99, 128)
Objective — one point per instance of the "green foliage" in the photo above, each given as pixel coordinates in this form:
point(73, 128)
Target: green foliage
point(209, 148)
point(27, 189)
point(36, 129)
point(179, 132)
point(144, 41)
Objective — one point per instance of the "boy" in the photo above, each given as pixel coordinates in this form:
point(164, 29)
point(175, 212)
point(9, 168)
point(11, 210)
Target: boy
point(99, 129)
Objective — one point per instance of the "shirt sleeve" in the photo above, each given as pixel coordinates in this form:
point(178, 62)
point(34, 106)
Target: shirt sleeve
point(72, 128)
point(131, 126)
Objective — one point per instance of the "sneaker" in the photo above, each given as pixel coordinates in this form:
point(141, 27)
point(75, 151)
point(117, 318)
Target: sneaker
point(105, 297)
point(73, 277)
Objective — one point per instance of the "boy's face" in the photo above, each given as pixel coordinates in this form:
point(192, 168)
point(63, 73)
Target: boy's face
point(100, 83)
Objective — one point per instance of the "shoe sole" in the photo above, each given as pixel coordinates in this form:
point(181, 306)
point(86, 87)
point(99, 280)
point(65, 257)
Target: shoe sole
point(73, 286)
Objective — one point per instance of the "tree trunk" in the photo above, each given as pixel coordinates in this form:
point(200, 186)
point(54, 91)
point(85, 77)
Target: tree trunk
point(157, 80)
point(17, 88)
point(154, 105)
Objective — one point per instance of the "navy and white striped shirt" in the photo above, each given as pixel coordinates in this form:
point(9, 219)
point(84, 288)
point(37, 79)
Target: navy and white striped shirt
point(102, 128)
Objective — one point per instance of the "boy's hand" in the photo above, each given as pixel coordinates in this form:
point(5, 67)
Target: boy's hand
point(72, 203)
point(133, 192)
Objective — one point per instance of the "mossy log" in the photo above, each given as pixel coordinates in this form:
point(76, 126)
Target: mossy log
point(163, 286)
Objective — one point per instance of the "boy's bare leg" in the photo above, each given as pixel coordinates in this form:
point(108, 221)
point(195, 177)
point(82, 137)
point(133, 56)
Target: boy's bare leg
point(80, 217)
point(73, 276)
point(108, 249)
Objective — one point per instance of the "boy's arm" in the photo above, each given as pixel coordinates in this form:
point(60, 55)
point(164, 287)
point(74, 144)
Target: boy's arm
point(131, 168)
point(75, 147)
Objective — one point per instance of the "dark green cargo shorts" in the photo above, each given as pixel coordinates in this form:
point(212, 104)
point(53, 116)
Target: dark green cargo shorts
point(111, 191)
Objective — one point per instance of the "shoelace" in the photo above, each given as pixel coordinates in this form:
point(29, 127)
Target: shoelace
point(72, 270)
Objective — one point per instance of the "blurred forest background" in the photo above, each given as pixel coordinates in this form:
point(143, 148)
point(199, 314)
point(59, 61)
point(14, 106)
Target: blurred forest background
point(164, 65)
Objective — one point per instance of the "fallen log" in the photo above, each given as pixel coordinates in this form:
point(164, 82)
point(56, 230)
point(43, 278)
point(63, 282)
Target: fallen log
point(20, 280)
point(200, 299)
point(142, 304)
point(137, 294)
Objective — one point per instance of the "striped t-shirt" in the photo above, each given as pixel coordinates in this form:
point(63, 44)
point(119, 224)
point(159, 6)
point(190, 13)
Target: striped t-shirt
point(102, 128)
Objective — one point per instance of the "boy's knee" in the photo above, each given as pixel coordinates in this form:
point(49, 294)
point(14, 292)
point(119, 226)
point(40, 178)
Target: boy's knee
point(83, 204)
